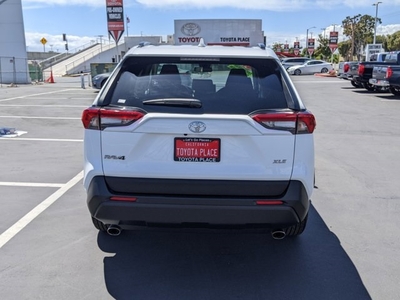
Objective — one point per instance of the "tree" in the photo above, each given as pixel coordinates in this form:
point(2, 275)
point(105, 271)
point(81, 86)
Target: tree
point(323, 51)
point(344, 49)
point(360, 30)
point(393, 41)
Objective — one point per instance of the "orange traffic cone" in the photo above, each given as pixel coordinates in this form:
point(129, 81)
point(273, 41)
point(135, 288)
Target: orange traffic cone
point(51, 78)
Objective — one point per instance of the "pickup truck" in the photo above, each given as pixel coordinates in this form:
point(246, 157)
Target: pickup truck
point(387, 77)
point(365, 70)
point(347, 71)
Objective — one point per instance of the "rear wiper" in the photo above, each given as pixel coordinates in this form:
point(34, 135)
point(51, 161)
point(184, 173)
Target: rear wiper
point(175, 102)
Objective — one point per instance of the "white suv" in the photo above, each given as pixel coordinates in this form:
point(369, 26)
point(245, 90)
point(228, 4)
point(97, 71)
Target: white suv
point(199, 136)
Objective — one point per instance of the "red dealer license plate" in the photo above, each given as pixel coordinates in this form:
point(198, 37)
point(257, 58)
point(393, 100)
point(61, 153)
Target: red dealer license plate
point(197, 149)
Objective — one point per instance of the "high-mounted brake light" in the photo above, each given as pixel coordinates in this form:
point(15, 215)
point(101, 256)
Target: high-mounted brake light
point(389, 72)
point(294, 122)
point(100, 118)
point(361, 69)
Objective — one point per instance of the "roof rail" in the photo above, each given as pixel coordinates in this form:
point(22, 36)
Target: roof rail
point(143, 44)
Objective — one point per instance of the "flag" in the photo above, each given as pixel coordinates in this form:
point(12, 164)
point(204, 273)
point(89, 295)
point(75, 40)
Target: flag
point(127, 20)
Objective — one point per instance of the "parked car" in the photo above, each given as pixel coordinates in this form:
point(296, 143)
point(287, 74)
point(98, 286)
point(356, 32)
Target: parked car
point(365, 69)
point(387, 77)
point(235, 148)
point(293, 61)
point(347, 70)
point(311, 67)
point(99, 80)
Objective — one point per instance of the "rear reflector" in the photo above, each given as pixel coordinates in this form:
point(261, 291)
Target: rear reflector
point(269, 202)
point(119, 198)
point(101, 118)
point(295, 122)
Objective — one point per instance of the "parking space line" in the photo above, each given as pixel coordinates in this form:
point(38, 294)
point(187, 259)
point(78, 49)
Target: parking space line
point(30, 117)
point(45, 105)
point(35, 212)
point(40, 94)
point(30, 184)
point(16, 139)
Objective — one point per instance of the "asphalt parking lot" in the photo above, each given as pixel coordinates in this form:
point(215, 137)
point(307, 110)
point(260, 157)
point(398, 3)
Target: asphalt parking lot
point(49, 248)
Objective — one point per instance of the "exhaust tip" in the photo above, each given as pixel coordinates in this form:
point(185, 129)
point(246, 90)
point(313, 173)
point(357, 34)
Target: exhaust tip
point(114, 230)
point(278, 234)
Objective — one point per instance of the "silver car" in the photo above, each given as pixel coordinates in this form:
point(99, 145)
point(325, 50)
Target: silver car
point(311, 67)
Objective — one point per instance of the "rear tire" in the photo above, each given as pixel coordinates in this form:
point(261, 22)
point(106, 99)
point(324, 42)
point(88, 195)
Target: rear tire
point(297, 229)
point(324, 70)
point(394, 90)
point(355, 84)
point(369, 87)
point(99, 225)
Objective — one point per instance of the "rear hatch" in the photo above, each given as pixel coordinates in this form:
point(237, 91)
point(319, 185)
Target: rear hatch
point(224, 148)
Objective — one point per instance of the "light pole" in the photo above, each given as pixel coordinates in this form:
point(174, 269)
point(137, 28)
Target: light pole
point(307, 36)
point(376, 18)
point(101, 42)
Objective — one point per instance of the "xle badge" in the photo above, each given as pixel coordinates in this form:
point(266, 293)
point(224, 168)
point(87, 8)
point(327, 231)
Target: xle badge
point(279, 161)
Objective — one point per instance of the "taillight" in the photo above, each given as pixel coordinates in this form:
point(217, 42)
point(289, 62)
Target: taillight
point(361, 69)
point(295, 122)
point(346, 68)
point(389, 72)
point(100, 118)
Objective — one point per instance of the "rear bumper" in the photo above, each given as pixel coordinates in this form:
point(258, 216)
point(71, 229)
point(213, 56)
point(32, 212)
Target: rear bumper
point(378, 82)
point(197, 209)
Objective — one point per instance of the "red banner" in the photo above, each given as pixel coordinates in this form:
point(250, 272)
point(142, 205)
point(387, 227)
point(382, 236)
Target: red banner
point(311, 46)
point(333, 40)
point(115, 18)
point(296, 48)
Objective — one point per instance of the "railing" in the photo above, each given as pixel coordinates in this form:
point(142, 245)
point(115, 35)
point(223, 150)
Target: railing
point(70, 67)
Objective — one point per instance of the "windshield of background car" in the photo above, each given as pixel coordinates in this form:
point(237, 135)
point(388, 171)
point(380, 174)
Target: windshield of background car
point(220, 85)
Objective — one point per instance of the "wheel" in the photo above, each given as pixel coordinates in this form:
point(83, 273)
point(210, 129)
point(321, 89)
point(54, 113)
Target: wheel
point(369, 87)
point(355, 84)
point(297, 72)
point(297, 229)
point(103, 82)
point(99, 225)
point(324, 70)
point(394, 90)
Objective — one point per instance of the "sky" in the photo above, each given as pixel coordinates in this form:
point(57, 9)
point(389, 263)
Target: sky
point(83, 21)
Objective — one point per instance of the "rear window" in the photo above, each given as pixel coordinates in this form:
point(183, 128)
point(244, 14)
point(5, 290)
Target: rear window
point(234, 86)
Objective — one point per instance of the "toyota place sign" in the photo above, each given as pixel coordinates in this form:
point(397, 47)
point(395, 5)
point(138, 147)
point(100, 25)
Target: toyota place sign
point(219, 32)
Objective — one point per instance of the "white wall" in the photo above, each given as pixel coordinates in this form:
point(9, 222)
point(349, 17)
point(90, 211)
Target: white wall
point(13, 56)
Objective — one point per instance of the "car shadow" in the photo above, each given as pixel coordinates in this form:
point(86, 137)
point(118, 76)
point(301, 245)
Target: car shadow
point(208, 264)
point(389, 97)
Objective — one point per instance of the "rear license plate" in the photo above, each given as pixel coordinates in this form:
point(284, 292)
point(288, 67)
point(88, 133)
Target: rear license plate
point(197, 150)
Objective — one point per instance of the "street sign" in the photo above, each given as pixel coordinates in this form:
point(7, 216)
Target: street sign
point(43, 41)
